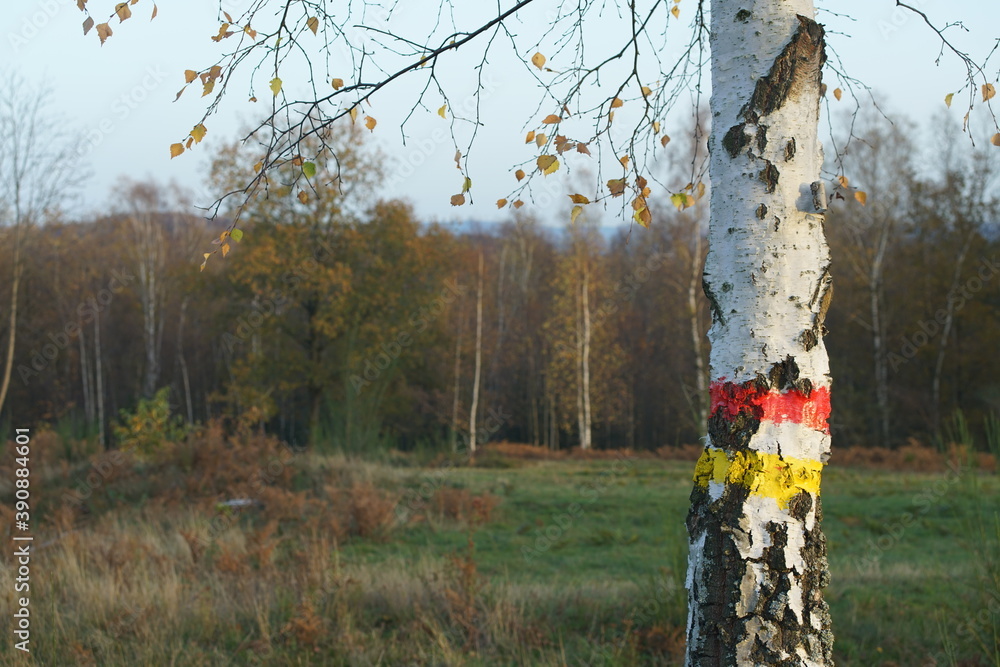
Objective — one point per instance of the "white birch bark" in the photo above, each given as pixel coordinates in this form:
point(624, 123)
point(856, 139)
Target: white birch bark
point(587, 422)
point(757, 561)
point(474, 408)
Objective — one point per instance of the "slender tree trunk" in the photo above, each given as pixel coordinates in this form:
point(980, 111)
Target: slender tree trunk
point(701, 377)
point(455, 404)
point(586, 434)
point(85, 378)
point(757, 562)
point(12, 335)
point(99, 379)
point(946, 332)
point(474, 408)
point(183, 362)
point(878, 335)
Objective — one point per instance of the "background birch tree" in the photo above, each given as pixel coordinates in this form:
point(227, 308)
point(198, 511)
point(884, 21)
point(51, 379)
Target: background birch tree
point(38, 169)
point(757, 562)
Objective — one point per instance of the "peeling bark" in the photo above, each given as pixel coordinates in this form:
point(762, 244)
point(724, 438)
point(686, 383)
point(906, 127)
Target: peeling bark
point(757, 563)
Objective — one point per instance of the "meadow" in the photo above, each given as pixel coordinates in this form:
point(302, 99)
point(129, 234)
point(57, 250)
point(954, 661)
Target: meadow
point(234, 550)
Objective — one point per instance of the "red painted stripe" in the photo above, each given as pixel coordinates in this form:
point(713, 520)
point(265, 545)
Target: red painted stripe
point(730, 400)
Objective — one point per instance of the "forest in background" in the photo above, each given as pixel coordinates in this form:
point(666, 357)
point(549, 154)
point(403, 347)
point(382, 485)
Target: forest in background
point(341, 320)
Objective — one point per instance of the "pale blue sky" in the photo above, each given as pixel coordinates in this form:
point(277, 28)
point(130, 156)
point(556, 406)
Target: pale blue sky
point(121, 95)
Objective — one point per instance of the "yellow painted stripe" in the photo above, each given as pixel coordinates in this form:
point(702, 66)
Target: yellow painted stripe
point(766, 475)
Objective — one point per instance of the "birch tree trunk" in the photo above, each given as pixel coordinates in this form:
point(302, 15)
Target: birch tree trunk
point(99, 379)
point(458, 379)
point(757, 562)
point(701, 382)
point(12, 335)
point(479, 361)
point(946, 332)
point(587, 423)
point(881, 356)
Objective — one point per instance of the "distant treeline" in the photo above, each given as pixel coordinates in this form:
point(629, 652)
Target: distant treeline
point(353, 328)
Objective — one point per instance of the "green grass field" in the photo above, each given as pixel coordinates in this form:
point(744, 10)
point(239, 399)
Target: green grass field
point(521, 563)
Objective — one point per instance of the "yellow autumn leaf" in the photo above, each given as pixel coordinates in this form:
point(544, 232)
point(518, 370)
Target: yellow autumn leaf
point(303, 196)
point(682, 200)
point(996, 139)
point(529, 137)
point(353, 114)
point(518, 204)
point(198, 133)
point(466, 184)
point(519, 174)
point(838, 93)
point(548, 164)
point(643, 217)
point(538, 60)
point(190, 75)
point(103, 32)
point(615, 103)
point(624, 160)
point(616, 186)
point(337, 84)
point(579, 199)
point(582, 148)
point(551, 119)
point(844, 183)
point(257, 167)
point(313, 24)
point(370, 123)
point(175, 150)
point(948, 98)
point(275, 86)
point(225, 249)
point(575, 213)
point(207, 87)
point(442, 110)
point(989, 92)
point(861, 196)
point(656, 127)
point(646, 91)
point(457, 200)
point(123, 12)
point(676, 11)
point(501, 203)
point(664, 140)
point(540, 139)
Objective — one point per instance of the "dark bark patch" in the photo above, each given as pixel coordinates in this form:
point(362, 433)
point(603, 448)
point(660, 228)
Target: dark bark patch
point(790, 149)
point(799, 64)
point(713, 303)
point(761, 138)
point(743, 16)
point(736, 140)
point(809, 339)
point(769, 175)
point(761, 212)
